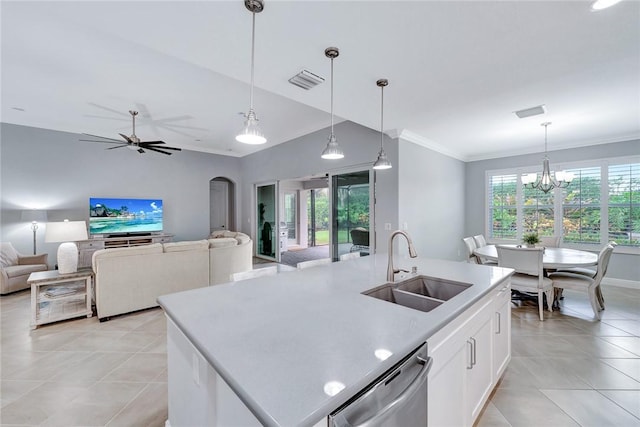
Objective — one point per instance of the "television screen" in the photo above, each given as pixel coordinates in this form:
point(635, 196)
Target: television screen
point(121, 216)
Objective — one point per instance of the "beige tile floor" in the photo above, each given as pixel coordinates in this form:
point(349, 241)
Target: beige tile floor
point(566, 371)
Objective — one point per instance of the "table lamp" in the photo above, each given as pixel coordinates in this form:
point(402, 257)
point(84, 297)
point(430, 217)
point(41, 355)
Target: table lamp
point(34, 216)
point(67, 232)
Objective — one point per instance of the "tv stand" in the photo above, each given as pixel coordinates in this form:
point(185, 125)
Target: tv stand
point(88, 247)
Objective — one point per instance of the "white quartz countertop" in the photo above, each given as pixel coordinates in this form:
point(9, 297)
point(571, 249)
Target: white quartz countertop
point(278, 340)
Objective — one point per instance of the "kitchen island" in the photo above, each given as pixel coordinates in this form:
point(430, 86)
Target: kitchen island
point(293, 347)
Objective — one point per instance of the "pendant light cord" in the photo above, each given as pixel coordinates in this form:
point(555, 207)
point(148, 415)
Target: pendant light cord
point(381, 117)
point(332, 96)
point(253, 44)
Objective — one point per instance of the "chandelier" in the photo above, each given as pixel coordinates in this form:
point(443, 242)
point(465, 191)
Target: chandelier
point(547, 181)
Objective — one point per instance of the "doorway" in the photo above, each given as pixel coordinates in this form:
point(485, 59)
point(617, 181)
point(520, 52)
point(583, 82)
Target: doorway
point(266, 224)
point(221, 204)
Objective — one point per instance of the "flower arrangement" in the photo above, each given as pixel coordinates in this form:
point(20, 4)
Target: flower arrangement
point(530, 239)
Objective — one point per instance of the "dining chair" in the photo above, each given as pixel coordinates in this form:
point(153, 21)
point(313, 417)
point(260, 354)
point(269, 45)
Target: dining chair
point(313, 263)
point(589, 272)
point(480, 240)
point(581, 282)
point(258, 272)
point(350, 255)
point(470, 243)
point(529, 276)
point(550, 241)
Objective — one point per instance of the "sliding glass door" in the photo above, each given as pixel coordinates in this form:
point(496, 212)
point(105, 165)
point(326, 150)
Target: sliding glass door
point(351, 205)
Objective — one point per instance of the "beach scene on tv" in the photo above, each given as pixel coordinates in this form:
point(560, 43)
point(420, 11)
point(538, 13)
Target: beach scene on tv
point(111, 216)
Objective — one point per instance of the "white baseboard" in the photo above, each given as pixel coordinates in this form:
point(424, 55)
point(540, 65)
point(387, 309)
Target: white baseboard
point(622, 283)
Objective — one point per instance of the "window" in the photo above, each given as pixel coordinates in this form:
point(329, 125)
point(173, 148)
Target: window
point(602, 203)
point(502, 206)
point(624, 204)
point(581, 207)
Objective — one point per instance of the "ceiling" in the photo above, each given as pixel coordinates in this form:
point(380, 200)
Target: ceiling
point(457, 71)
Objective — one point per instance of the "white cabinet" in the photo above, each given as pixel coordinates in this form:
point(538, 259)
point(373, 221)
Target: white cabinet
point(464, 361)
point(501, 331)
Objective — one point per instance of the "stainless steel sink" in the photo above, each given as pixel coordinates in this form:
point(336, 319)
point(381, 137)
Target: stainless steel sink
point(433, 287)
point(419, 292)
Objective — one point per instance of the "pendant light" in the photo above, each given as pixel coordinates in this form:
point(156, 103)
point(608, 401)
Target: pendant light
point(383, 161)
point(332, 151)
point(546, 182)
point(251, 133)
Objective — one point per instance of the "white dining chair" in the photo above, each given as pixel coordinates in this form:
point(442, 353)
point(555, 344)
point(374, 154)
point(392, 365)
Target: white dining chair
point(480, 240)
point(350, 255)
point(550, 241)
point(581, 282)
point(313, 263)
point(529, 276)
point(251, 274)
point(470, 243)
point(589, 272)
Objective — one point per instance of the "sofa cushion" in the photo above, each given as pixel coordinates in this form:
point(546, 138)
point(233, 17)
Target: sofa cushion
point(222, 242)
point(186, 246)
point(8, 255)
point(242, 238)
point(23, 270)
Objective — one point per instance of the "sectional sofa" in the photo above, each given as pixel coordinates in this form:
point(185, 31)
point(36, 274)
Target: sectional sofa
point(131, 279)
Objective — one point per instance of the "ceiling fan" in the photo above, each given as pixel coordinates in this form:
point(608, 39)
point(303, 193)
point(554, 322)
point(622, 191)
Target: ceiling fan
point(133, 142)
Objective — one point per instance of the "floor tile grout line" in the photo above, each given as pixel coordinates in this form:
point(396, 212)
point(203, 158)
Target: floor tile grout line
point(616, 403)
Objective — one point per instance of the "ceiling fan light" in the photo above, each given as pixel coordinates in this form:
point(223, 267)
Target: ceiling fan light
point(382, 162)
point(332, 151)
point(251, 133)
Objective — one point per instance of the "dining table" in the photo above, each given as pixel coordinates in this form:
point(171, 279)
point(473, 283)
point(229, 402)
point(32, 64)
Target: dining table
point(552, 258)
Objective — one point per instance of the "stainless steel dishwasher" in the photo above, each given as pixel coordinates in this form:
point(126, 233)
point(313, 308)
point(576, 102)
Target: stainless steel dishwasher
point(397, 399)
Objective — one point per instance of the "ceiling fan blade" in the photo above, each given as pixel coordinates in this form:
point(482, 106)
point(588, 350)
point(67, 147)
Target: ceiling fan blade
point(102, 137)
point(152, 142)
point(103, 142)
point(129, 140)
point(122, 144)
point(159, 151)
point(140, 150)
point(161, 147)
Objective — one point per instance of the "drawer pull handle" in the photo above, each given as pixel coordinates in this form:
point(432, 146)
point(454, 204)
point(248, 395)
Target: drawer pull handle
point(499, 331)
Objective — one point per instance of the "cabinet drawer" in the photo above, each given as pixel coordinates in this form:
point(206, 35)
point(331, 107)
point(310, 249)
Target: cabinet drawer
point(90, 245)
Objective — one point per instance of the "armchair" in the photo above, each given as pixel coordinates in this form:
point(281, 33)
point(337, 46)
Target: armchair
point(15, 268)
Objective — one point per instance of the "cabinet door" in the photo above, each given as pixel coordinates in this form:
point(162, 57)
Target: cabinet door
point(479, 372)
point(501, 332)
point(446, 387)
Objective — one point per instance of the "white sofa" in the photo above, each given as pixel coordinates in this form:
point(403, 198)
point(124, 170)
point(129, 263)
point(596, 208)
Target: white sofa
point(131, 279)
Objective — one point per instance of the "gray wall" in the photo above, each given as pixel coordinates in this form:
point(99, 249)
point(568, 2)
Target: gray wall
point(300, 158)
point(53, 170)
point(431, 201)
point(622, 266)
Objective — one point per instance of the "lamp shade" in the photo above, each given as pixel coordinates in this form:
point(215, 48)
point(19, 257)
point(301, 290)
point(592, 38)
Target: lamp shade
point(34, 215)
point(67, 231)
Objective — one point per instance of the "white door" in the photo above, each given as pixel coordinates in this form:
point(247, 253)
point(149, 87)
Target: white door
point(219, 209)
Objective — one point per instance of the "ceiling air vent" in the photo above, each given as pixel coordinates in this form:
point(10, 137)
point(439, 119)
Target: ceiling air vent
point(533, 111)
point(306, 80)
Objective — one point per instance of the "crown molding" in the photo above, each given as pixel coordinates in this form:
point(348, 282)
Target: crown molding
point(407, 135)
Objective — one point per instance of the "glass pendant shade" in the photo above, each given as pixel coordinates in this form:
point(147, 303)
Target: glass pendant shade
point(251, 133)
point(332, 151)
point(382, 162)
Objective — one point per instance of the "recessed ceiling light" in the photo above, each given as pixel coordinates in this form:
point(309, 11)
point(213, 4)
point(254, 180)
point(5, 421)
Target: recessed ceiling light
point(603, 4)
point(528, 112)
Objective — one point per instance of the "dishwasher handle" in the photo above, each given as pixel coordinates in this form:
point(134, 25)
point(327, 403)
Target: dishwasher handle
point(406, 394)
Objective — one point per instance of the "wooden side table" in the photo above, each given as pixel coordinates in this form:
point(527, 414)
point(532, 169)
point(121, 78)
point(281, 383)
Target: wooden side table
point(56, 296)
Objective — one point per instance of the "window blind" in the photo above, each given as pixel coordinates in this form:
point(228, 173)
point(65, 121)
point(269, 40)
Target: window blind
point(624, 204)
point(503, 209)
point(581, 206)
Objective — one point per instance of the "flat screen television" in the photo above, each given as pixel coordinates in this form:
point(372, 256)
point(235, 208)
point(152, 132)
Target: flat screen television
point(124, 216)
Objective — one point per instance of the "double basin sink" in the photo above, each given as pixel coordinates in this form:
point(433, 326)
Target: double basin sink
point(422, 293)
